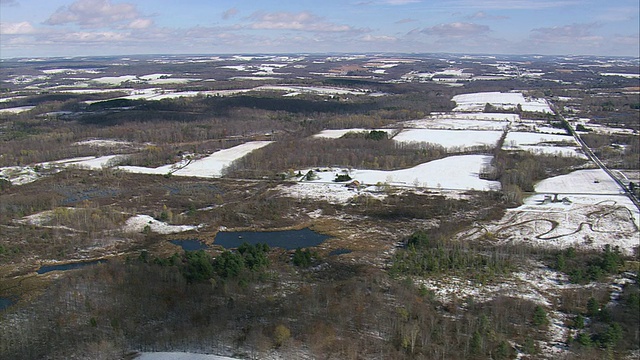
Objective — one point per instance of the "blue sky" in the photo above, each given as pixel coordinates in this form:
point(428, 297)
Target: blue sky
point(116, 27)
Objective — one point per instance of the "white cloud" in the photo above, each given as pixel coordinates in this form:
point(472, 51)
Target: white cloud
point(379, 38)
point(21, 28)
point(302, 21)
point(400, 2)
point(95, 14)
point(456, 30)
point(514, 4)
point(567, 34)
point(230, 13)
point(140, 24)
point(481, 15)
point(405, 21)
point(93, 37)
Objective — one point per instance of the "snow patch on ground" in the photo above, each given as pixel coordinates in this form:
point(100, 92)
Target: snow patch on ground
point(89, 162)
point(208, 167)
point(16, 110)
point(451, 123)
point(543, 143)
point(450, 138)
point(449, 176)
point(103, 143)
point(476, 102)
point(19, 175)
point(593, 181)
point(594, 214)
point(139, 222)
point(459, 172)
point(179, 356)
point(338, 133)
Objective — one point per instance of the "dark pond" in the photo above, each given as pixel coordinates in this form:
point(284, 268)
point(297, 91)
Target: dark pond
point(68, 266)
point(5, 303)
point(339, 252)
point(288, 239)
point(190, 245)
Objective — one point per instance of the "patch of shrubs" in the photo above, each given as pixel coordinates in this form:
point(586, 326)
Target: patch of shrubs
point(587, 267)
point(197, 266)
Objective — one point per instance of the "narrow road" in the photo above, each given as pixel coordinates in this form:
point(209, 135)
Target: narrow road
point(587, 151)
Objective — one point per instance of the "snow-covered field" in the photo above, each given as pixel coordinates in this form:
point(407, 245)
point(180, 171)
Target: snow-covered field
point(595, 214)
point(20, 175)
point(210, 166)
point(543, 143)
point(626, 75)
point(458, 173)
point(104, 143)
point(179, 356)
point(450, 138)
point(476, 102)
point(338, 133)
point(88, 162)
point(16, 110)
point(592, 181)
point(455, 124)
point(454, 173)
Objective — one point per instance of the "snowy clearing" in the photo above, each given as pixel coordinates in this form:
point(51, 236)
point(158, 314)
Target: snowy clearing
point(594, 213)
point(449, 176)
point(139, 222)
point(89, 162)
point(630, 76)
point(338, 133)
point(530, 138)
point(179, 356)
point(589, 222)
point(333, 193)
point(459, 172)
point(450, 138)
point(19, 175)
point(543, 143)
point(534, 285)
point(475, 102)
point(457, 123)
point(210, 166)
point(116, 80)
point(103, 143)
point(592, 181)
point(16, 110)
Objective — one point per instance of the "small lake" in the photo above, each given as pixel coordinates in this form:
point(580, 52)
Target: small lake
point(287, 239)
point(190, 245)
point(5, 303)
point(68, 266)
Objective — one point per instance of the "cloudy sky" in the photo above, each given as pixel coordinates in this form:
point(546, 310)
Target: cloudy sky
point(116, 27)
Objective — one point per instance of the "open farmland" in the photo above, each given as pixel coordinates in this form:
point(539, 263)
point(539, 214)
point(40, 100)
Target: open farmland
point(451, 206)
